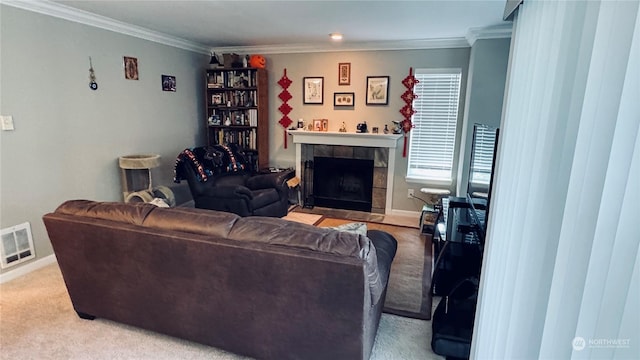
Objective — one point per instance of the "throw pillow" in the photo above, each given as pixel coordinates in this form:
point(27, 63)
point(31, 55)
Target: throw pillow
point(356, 228)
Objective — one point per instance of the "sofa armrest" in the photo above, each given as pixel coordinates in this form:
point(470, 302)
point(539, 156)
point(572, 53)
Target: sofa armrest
point(271, 180)
point(386, 246)
point(229, 192)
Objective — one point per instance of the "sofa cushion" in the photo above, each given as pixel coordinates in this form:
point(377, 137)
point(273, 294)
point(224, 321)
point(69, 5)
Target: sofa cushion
point(356, 228)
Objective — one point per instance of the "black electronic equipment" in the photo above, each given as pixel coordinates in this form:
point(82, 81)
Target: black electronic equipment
point(458, 250)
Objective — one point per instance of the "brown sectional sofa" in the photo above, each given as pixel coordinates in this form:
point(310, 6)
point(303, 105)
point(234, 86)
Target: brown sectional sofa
point(261, 287)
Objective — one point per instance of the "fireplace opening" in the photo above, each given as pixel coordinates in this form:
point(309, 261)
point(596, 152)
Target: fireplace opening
point(343, 183)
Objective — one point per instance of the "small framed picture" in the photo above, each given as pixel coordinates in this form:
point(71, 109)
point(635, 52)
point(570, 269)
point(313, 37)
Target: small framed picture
point(130, 68)
point(216, 99)
point(313, 90)
point(344, 73)
point(343, 99)
point(325, 124)
point(377, 90)
point(317, 124)
point(168, 83)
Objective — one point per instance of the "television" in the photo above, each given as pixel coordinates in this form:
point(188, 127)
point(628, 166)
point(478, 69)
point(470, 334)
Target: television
point(481, 169)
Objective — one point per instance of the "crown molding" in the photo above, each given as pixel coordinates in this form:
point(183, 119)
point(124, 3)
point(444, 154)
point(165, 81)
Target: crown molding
point(83, 17)
point(355, 46)
point(491, 32)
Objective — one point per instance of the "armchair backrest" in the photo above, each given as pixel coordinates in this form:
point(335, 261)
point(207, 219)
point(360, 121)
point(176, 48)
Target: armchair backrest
point(204, 166)
point(207, 161)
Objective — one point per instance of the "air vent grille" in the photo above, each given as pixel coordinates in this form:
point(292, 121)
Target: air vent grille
point(17, 245)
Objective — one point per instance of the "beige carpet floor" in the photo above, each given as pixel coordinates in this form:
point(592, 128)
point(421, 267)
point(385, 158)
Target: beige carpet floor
point(37, 321)
point(408, 292)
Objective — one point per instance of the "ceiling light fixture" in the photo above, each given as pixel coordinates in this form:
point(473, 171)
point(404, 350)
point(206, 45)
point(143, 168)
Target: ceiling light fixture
point(335, 36)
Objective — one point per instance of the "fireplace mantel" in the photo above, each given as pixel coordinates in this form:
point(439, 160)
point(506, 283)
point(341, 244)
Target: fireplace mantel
point(390, 141)
point(345, 138)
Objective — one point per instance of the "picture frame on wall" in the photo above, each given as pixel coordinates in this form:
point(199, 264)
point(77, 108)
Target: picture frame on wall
point(130, 68)
point(377, 90)
point(313, 90)
point(168, 83)
point(344, 99)
point(344, 73)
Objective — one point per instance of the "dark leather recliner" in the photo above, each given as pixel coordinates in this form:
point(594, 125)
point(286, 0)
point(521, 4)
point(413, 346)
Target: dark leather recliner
point(219, 179)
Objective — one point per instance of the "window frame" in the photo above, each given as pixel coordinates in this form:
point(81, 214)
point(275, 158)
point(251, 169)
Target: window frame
point(445, 182)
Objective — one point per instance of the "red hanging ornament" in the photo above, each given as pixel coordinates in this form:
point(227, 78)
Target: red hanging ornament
point(407, 111)
point(408, 96)
point(285, 109)
point(285, 95)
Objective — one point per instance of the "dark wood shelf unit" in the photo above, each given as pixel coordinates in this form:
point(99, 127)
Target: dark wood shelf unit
point(237, 110)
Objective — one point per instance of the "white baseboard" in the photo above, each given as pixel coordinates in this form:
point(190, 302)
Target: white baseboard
point(29, 267)
point(415, 214)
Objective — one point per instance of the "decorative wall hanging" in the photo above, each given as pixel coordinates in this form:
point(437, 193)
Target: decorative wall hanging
point(93, 85)
point(168, 83)
point(285, 109)
point(407, 111)
point(377, 90)
point(344, 73)
point(130, 68)
point(313, 90)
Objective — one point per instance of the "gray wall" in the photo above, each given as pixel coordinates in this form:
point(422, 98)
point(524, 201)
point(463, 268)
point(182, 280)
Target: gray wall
point(67, 138)
point(395, 64)
point(485, 93)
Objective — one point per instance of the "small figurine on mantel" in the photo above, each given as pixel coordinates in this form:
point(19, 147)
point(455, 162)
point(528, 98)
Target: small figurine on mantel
point(397, 128)
point(343, 128)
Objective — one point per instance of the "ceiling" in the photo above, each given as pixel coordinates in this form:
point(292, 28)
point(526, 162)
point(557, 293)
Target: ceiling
point(229, 24)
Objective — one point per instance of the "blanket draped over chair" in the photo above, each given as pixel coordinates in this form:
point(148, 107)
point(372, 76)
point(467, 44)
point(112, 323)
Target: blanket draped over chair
point(211, 160)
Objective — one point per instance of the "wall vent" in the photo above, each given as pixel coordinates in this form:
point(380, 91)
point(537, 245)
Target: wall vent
point(17, 245)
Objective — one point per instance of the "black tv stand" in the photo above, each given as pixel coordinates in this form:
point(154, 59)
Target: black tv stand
point(455, 277)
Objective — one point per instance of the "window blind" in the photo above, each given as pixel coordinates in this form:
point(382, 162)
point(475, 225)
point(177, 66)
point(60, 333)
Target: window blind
point(432, 140)
point(483, 147)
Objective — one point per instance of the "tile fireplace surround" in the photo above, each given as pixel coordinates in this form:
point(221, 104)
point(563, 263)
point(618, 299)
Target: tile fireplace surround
point(339, 144)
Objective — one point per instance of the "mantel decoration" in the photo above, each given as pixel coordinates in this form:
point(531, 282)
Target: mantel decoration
point(285, 109)
point(407, 111)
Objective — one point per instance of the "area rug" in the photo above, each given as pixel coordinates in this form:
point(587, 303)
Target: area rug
point(406, 221)
point(408, 292)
